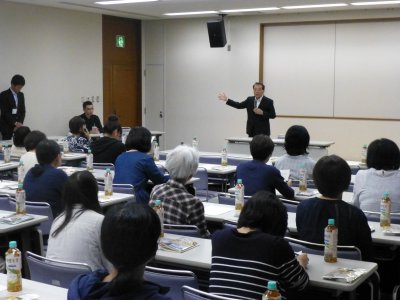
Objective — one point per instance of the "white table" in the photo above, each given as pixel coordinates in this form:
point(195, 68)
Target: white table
point(200, 257)
point(71, 156)
point(8, 166)
point(115, 198)
point(7, 228)
point(44, 291)
point(99, 174)
point(316, 149)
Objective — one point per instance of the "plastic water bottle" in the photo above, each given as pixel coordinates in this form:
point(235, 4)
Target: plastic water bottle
point(65, 146)
point(14, 266)
point(21, 172)
point(7, 153)
point(386, 204)
point(89, 161)
point(20, 200)
point(195, 143)
point(239, 197)
point(364, 154)
point(224, 158)
point(156, 152)
point(108, 183)
point(160, 212)
point(303, 179)
point(330, 239)
point(272, 292)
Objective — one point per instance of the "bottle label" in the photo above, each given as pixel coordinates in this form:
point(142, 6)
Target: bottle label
point(330, 240)
point(108, 187)
point(239, 198)
point(385, 213)
point(20, 202)
point(89, 162)
point(265, 297)
point(21, 174)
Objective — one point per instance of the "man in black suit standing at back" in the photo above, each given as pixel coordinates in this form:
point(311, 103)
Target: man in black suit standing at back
point(259, 110)
point(12, 106)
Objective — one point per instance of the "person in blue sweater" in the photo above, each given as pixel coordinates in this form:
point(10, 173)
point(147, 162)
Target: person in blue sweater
point(256, 175)
point(136, 167)
point(44, 182)
point(129, 236)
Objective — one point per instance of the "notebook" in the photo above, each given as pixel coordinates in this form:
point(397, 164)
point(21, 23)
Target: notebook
point(346, 275)
point(15, 219)
point(177, 245)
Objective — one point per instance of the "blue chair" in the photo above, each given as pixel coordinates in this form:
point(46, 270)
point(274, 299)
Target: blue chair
point(174, 279)
point(5, 203)
point(54, 272)
point(201, 185)
point(119, 188)
point(215, 160)
point(99, 166)
point(291, 205)
point(229, 225)
point(396, 292)
point(186, 230)
point(375, 216)
point(190, 293)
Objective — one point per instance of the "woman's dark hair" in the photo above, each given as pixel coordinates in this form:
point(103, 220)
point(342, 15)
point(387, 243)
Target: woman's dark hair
point(33, 139)
point(75, 124)
point(129, 236)
point(111, 125)
point(46, 152)
point(139, 138)
point(297, 140)
point(19, 136)
point(383, 154)
point(331, 175)
point(265, 212)
point(261, 147)
point(80, 188)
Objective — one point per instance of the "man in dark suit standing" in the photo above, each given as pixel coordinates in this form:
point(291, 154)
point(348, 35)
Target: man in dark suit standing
point(12, 106)
point(259, 110)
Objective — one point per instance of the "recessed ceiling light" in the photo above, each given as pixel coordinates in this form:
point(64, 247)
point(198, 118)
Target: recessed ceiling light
point(192, 13)
point(249, 9)
point(375, 3)
point(122, 2)
point(315, 6)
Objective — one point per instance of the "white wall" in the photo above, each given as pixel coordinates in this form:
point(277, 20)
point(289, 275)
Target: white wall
point(59, 52)
point(195, 73)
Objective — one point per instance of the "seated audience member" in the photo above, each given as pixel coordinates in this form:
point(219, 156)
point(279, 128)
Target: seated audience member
point(332, 176)
point(79, 141)
point(180, 207)
point(297, 140)
point(109, 147)
point(135, 166)
point(44, 182)
point(129, 237)
point(18, 149)
point(245, 258)
point(67, 240)
point(256, 175)
point(383, 175)
point(31, 141)
point(92, 121)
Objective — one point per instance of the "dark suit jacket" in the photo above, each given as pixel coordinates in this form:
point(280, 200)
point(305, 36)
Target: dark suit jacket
point(7, 119)
point(256, 124)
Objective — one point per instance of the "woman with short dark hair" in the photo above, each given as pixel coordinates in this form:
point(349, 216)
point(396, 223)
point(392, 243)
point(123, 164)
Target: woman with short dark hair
point(297, 140)
point(79, 140)
point(31, 141)
point(382, 175)
point(244, 259)
point(67, 240)
point(129, 236)
point(332, 176)
point(136, 166)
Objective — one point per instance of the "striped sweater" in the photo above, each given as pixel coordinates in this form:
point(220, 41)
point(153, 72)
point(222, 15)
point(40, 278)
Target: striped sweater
point(242, 265)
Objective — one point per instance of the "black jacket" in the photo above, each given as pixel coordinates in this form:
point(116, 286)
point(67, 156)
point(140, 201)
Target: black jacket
point(7, 118)
point(106, 150)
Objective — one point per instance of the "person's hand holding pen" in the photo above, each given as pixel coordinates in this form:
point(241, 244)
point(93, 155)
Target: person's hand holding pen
point(302, 258)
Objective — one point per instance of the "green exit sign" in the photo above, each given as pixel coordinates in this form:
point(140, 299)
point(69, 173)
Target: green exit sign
point(120, 41)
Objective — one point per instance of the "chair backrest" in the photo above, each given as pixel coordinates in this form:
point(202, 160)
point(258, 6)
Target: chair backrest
point(234, 161)
point(38, 208)
point(349, 252)
point(229, 224)
point(229, 199)
point(119, 188)
point(5, 203)
point(190, 293)
point(202, 183)
point(291, 205)
point(99, 166)
point(54, 272)
point(210, 160)
point(374, 216)
point(186, 230)
point(174, 279)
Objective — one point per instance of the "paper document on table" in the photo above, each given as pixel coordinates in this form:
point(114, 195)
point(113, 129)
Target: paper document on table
point(177, 245)
point(285, 174)
point(12, 185)
point(215, 210)
point(346, 275)
point(15, 219)
point(308, 193)
point(392, 230)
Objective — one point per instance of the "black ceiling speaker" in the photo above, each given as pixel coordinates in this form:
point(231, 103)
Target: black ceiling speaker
point(216, 33)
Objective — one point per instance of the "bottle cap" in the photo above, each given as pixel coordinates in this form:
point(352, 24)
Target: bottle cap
point(89, 151)
point(157, 202)
point(20, 185)
point(331, 222)
point(21, 162)
point(239, 181)
point(108, 170)
point(272, 285)
point(365, 146)
point(12, 244)
point(386, 194)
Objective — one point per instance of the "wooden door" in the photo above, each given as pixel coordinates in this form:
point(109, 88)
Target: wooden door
point(121, 70)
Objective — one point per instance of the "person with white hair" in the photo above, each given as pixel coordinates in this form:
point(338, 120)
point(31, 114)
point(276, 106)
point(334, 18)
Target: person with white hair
point(180, 207)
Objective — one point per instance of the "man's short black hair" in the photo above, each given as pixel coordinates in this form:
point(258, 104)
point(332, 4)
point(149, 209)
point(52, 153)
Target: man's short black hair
point(47, 151)
point(19, 136)
point(261, 147)
point(332, 176)
point(86, 103)
point(383, 154)
point(297, 140)
point(33, 139)
point(139, 138)
point(75, 124)
point(18, 80)
point(259, 83)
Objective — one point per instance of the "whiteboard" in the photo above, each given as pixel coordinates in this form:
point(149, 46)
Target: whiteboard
point(343, 69)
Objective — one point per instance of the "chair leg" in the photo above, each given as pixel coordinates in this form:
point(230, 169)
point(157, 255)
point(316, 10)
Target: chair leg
point(395, 291)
